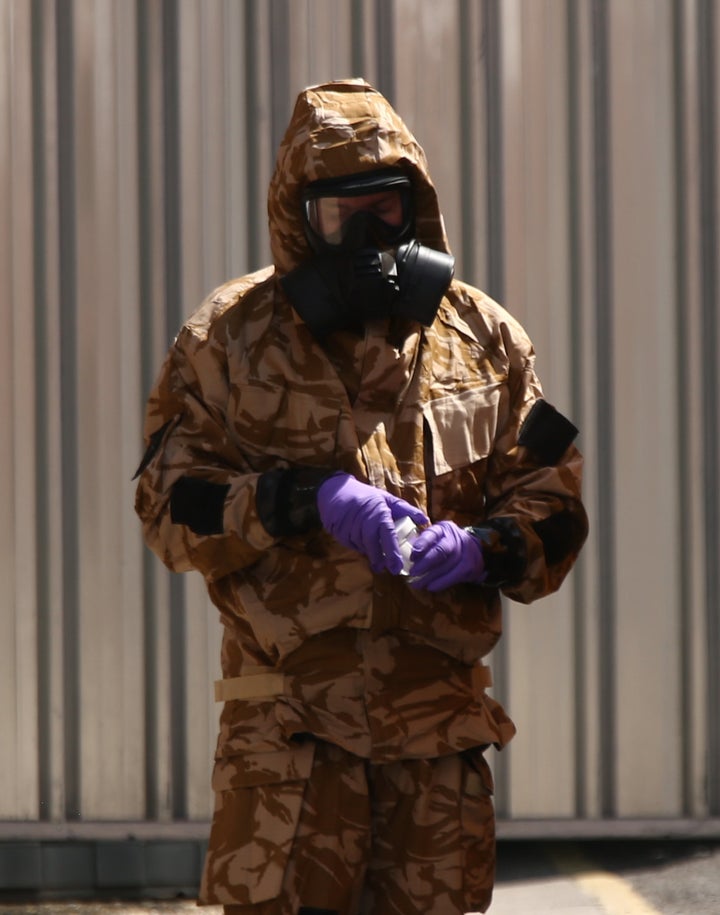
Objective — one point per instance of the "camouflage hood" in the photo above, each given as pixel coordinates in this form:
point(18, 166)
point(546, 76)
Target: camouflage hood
point(343, 128)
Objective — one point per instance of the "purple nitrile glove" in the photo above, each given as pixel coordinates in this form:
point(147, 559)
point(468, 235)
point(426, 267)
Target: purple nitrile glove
point(361, 517)
point(445, 555)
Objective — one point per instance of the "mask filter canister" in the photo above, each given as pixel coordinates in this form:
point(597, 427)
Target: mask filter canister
point(423, 278)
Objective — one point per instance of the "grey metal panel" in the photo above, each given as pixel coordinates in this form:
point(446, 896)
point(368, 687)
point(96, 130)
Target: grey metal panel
point(574, 146)
point(648, 726)
point(708, 43)
point(109, 595)
point(156, 174)
point(540, 641)
point(53, 711)
point(691, 549)
point(18, 663)
point(590, 578)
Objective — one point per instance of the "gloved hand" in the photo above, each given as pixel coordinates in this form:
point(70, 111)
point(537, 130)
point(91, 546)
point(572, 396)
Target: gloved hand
point(361, 517)
point(445, 555)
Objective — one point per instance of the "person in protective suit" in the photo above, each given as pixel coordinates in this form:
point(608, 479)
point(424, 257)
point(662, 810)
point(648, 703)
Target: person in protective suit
point(353, 448)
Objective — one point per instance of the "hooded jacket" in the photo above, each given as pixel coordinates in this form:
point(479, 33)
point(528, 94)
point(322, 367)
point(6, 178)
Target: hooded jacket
point(450, 418)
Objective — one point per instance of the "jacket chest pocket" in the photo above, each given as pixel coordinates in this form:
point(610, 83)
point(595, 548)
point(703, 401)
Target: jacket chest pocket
point(459, 433)
point(270, 422)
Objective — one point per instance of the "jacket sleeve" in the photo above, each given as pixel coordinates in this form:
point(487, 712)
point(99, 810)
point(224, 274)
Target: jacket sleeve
point(535, 521)
point(196, 492)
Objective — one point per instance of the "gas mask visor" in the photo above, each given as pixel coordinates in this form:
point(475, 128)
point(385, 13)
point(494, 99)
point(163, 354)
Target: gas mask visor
point(372, 209)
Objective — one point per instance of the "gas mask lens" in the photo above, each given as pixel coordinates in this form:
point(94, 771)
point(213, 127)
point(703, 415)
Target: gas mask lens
point(357, 211)
point(329, 216)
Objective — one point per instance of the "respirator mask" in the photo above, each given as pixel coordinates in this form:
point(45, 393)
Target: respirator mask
point(366, 265)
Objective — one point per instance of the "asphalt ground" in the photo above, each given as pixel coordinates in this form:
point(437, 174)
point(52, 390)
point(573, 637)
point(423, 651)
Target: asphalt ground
point(629, 877)
point(618, 877)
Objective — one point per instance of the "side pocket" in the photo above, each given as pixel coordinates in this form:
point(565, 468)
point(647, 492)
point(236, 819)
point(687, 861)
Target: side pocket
point(258, 798)
point(478, 831)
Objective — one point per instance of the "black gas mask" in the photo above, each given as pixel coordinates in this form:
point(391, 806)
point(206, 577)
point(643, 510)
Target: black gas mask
point(366, 264)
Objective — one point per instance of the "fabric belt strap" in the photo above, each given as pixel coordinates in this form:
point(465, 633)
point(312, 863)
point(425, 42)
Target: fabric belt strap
point(267, 682)
point(251, 686)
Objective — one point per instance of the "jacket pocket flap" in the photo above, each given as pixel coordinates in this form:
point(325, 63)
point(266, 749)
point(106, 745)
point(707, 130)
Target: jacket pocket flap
point(273, 767)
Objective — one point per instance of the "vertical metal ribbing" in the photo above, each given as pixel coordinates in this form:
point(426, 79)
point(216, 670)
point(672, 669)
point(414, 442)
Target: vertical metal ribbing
point(172, 155)
point(64, 22)
point(280, 73)
point(178, 713)
point(682, 413)
point(494, 149)
point(711, 396)
point(62, 54)
point(468, 47)
point(42, 409)
point(252, 190)
point(495, 279)
point(173, 317)
point(575, 266)
point(385, 42)
point(605, 437)
point(358, 54)
point(147, 368)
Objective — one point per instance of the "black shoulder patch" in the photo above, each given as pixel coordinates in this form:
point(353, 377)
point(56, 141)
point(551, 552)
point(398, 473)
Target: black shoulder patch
point(546, 433)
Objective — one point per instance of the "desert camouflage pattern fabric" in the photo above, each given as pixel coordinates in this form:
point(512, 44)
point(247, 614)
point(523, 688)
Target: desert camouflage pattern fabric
point(380, 671)
point(423, 843)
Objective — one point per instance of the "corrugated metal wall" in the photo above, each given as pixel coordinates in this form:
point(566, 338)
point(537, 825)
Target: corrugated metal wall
point(575, 147)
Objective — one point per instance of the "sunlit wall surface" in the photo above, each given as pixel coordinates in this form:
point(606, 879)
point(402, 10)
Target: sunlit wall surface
point(575, 145)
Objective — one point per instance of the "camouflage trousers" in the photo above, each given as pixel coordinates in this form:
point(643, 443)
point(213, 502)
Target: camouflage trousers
point(355, 838)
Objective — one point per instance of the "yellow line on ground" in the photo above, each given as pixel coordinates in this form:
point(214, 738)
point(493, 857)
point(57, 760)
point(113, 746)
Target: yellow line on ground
point(615, 895)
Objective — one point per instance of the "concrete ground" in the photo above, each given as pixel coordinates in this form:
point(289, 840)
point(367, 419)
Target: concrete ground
point(620, 877)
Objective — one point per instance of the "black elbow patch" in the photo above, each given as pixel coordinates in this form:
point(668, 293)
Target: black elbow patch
point(546, 433)
point(199, 504)
point(560, 534)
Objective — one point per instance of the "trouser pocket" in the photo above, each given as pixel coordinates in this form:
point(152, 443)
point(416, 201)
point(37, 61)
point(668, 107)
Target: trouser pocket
point(478, 831)
point(258, 799)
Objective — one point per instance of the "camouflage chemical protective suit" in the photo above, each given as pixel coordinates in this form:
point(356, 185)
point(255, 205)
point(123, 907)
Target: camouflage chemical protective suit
point(349, 772)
